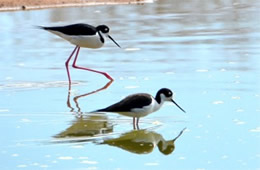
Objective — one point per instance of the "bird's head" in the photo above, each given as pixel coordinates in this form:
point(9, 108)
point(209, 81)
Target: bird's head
point(165, 94)
point(104, 30)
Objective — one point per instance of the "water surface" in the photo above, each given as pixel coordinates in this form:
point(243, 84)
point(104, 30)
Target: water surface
point(206, 52)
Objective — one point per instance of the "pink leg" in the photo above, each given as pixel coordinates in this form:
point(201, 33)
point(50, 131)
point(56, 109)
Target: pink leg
point(67, 63)
point(84, 68)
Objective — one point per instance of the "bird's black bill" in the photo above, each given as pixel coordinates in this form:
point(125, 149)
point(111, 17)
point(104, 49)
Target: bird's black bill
point(113, 40)
point(178, 106)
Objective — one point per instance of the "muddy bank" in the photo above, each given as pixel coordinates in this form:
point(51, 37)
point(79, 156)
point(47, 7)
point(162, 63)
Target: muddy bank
point(6, 5)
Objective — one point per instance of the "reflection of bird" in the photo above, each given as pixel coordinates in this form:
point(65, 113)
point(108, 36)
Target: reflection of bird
point(82, 35)
point(143, 142)
point(141, 104)
point(87, 126)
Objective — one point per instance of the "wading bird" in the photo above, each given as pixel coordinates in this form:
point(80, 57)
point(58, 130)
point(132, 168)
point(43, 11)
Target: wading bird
point(141, 104)
point(82, 35)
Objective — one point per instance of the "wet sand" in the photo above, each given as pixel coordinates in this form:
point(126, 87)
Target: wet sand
point(6, 5)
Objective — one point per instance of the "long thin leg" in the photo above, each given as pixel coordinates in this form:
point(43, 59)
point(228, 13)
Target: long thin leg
point(137, 123)
point(67, 64)
point(84, 68)
point(134, 125)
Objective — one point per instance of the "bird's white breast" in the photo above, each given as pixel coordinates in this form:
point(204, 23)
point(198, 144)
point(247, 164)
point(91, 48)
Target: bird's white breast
point(152, 107)
point(87, 41)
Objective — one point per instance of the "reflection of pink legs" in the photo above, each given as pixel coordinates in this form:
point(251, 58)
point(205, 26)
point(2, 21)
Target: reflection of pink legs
point(75, 99)
point(84, 68)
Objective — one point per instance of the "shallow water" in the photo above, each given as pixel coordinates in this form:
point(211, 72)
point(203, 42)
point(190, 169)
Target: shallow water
point(207, 53)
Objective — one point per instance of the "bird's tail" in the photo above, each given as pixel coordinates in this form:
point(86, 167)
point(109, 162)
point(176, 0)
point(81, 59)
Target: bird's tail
point(40, 27)
point(99, 110)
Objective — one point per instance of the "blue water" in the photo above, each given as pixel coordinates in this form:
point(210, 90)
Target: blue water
point(206, 52)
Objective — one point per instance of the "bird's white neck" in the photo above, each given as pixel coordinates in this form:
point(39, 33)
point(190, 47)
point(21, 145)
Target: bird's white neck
point(157, 105)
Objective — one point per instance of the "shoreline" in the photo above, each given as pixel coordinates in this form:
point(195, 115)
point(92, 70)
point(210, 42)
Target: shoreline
point(9, 5)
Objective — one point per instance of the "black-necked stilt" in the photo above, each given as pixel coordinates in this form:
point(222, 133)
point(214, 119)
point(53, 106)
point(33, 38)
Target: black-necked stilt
point(141, 104)
point(82, 35)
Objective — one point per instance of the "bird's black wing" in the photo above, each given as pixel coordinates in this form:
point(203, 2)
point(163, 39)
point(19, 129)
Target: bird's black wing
point(130, 102)
point(75, 29)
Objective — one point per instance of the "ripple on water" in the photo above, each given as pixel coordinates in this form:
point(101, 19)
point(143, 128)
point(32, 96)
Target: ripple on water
point(37, 85)
point(257, 129)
